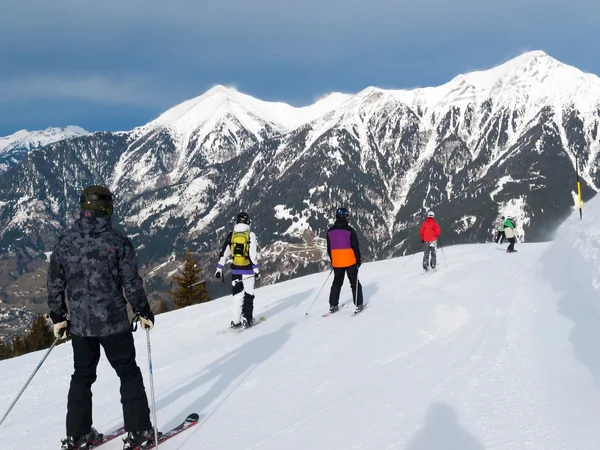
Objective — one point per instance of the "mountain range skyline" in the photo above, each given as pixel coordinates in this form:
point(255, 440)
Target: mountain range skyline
point(334, 98)
point(316, 98)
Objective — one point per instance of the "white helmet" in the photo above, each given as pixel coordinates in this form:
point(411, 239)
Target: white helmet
point(430, 214)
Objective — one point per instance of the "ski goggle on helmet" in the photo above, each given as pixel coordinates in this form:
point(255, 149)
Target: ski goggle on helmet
point(342, 213)
point(97, 198)
point(430, 214)
point(243, 218)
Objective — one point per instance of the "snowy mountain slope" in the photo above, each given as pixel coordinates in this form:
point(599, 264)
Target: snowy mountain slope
point(487, 143)
point(187, 115)
point(492, 352)
point(14, 148)
point(210, 129)
point(41, 194)
point(426, 147)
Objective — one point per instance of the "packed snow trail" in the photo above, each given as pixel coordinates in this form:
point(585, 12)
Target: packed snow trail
point(479, 355)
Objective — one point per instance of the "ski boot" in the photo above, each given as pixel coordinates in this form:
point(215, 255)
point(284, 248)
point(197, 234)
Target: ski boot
point(235, 325)
point(82, 442)
point(358, 309)
point(333, 309)
point(138, 440)
point(247, 323)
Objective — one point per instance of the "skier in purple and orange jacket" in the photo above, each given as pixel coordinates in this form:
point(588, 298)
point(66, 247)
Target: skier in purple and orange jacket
point(344, 252)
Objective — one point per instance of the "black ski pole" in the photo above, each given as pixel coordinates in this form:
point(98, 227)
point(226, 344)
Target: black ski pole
point(318, 293)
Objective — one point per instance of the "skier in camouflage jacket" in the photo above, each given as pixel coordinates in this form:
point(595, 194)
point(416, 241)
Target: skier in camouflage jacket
point(94, 264)
point(95, 268)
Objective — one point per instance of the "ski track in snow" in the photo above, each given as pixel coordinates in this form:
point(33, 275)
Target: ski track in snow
point(478, 355)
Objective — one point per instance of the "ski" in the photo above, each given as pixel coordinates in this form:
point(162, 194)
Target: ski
point(365, 306)
point(327, 314)
point(240, 329)
point(110, 436)
point(189, 422)
point(256, 322)
point(106, 437)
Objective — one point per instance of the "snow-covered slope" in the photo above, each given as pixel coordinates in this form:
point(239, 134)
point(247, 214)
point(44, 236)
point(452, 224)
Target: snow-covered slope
point(15, 147)
point(494, 351)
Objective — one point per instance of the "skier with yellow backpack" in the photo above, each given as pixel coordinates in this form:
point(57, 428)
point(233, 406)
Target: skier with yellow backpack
point(240, 245)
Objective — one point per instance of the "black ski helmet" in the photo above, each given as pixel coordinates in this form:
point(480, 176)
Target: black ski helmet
point(342, 213)
point(243, 218)
point(97, 198)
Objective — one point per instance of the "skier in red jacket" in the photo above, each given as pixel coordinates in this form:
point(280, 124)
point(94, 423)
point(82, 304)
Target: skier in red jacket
point(430, 231)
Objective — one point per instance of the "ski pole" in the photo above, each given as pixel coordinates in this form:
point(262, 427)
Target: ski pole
point(152, 388)
point(413, 255)
point(442, 249)
point(197, 283)
point(318, 293)
point(31, 377)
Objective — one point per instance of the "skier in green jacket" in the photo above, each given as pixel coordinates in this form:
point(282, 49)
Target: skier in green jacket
point(509, 232)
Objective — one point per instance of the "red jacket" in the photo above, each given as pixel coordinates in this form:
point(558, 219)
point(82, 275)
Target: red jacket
point(430, 230)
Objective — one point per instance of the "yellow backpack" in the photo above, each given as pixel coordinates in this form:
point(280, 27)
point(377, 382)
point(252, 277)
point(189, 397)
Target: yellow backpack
point(240, 248)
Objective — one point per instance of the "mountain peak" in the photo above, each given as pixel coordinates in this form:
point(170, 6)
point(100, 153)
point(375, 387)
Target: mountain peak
point(221, 100)
point(220, 89)
point(533, 60)
point(534, 75)
point(533, 65)
point(533, 55)
point(39, 138)
point(17, 146)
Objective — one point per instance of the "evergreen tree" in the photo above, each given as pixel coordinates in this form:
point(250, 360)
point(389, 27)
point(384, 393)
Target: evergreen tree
point(190, 289)
point(40, 336)
point(18, 346)
point(163, 307)
point(5, 350)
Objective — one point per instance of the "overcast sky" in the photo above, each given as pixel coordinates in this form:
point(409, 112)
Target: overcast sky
point(114, 65)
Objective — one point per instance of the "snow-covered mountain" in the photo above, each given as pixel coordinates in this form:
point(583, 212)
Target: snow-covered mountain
point(14, 148)
point(495, 351)
point(205, 131)
point(487, 143)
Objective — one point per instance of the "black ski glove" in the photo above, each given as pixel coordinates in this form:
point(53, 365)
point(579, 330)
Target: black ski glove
point(146, 317)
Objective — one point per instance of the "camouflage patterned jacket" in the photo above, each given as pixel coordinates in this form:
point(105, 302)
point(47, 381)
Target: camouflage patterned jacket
point(94, 265)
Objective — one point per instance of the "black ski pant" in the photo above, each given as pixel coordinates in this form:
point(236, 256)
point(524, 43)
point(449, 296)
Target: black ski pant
point(499, 237)
point(120, 352)
point(512, 241)
point(243, 293)
point(338, 281)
